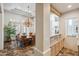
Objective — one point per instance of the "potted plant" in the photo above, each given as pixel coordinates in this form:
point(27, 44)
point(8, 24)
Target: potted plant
point(8, 31)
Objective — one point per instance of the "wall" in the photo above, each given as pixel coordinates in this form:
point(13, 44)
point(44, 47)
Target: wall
point(1, 28)
point(8, 16)
point(69, 42)
point(1, 42)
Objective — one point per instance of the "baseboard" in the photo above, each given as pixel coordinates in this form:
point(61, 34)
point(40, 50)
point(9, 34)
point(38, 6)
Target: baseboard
point(37, 52)
point(47, 52)
point(41, 53)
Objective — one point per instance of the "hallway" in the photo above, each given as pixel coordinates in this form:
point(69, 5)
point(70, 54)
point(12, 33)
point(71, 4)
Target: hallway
point(64, 29)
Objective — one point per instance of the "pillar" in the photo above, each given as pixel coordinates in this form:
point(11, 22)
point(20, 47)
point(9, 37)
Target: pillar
point(42, 45)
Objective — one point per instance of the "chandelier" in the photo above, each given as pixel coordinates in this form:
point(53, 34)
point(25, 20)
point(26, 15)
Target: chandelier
point(28, 21)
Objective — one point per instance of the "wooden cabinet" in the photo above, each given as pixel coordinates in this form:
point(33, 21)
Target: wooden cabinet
point(55, 49)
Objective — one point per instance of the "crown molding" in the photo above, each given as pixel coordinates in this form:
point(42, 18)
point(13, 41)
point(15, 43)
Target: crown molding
point(54, 10)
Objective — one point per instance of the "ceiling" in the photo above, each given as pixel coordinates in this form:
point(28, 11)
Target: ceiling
point(20, 8)
point(62, 7)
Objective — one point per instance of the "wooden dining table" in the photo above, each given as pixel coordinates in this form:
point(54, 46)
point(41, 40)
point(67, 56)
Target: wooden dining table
point(25, 40)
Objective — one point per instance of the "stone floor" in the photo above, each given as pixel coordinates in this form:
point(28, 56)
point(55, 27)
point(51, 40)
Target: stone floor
point(9, 50)
point(67, 52)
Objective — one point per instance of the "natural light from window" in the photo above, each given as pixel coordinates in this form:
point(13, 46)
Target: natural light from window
point(54, 24)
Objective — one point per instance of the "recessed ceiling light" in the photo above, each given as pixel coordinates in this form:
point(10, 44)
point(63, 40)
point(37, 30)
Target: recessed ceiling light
point(69, 6)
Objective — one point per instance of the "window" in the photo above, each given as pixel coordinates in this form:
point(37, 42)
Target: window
point(20, 28)
point(72, 27)
point(54, 24)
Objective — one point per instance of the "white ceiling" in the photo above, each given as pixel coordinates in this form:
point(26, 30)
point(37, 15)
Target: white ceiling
point(62, 7)
point(21, 8)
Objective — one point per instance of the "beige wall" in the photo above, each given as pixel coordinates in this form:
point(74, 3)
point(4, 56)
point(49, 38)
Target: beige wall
point(69, 41)
point(39, 27)
point(46, 27)
point(42, 29)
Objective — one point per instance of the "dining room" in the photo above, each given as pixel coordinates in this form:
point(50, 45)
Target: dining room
point(19, 27)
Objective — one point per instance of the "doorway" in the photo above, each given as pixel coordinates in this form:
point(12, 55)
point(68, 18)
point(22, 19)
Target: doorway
point(72, 33)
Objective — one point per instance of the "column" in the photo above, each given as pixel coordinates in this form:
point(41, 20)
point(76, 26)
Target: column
point(42, 45)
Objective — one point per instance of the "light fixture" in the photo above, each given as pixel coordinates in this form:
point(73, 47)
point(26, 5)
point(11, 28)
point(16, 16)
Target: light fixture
point(69, 6)
point(28, 22)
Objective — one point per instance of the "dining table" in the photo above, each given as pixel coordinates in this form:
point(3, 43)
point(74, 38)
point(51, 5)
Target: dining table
point(26, 40)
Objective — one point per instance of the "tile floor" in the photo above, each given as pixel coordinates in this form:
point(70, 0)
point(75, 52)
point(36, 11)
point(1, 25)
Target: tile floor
point(10, 50)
